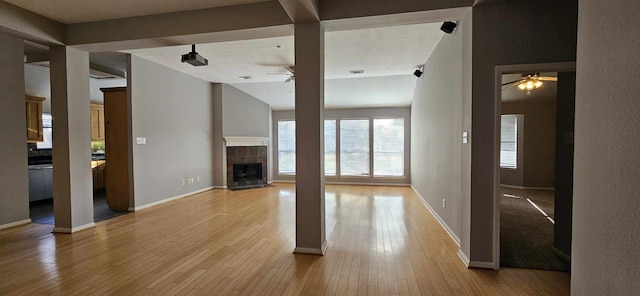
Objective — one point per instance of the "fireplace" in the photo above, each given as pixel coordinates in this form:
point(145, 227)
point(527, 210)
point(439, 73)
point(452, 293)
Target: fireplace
point(246, 165)
point(243, 172)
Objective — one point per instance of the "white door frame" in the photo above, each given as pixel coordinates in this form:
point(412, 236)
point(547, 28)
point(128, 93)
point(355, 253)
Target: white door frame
point(500, 70)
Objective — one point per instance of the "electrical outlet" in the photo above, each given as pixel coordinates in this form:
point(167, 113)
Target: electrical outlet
point(182, 183)
point(198, 179)
point(444, 203)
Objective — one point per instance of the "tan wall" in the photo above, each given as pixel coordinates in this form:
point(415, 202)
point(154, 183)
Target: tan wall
point(538, 143)
point(606, 224)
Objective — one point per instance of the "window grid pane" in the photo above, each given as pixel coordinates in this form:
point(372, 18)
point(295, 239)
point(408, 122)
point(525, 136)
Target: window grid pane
point(509, 141)
point(286, 147)
point(330, 147)
point(354, 147)
point(388, 147)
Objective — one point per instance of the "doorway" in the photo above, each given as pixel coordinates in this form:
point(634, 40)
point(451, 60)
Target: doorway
point(533, 190)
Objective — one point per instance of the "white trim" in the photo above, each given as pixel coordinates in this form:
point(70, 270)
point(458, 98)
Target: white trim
point(561, 254)
point(480, 264)
point(350, 183)
point(219, 187)
point(246, 141)
point(17, 223)
point(499, 71)
point(153, 204)
point(444, 225)
point(463, 257)
point(527, 188)
point(74, 229)
point(312, 251)
point(283, 181)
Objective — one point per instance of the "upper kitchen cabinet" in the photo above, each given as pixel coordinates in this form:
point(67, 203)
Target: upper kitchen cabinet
point(34, 119)
point(97, 122)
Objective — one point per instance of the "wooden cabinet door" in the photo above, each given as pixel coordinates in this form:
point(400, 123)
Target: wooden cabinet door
point(34, 119)
point(97, 122)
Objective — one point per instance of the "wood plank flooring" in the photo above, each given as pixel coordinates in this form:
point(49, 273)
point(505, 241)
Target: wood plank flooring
point(382, 241)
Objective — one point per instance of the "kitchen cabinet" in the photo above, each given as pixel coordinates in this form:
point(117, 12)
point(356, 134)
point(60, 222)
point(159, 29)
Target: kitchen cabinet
point(98, 168)
point(97, 122)
point(34, 119)
point(40, 182)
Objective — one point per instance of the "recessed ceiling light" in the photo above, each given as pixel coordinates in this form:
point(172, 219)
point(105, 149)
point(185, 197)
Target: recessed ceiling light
point(245, 77)
point(356, 71)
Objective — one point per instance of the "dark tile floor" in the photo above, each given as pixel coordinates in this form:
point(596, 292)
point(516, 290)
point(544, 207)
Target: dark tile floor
point(41, 211)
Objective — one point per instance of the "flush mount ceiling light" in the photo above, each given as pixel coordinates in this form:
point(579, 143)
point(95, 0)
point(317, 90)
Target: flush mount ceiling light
point(194, 58)
point(529, 82)
point(245, 77)
point(356, 71)
point(418, 72)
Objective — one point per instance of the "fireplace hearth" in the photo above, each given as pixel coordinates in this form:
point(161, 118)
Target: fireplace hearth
point(246, 166)
point(243, 172)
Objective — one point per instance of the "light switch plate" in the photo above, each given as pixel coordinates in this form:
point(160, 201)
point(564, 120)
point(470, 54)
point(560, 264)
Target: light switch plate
point(141, 140)
point(465, 138)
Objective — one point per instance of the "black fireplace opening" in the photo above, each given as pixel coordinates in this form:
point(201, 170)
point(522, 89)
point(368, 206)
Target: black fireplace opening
point(243, 172)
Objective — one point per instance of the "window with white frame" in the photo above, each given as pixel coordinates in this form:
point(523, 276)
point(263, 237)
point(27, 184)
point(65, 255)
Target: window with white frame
point(286, 147)
point(509, 142)
point(330, 153)
point(388, 147)
point(354, 147)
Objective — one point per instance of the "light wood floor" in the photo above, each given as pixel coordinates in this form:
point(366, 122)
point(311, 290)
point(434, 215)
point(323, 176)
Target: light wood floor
point(382, 241)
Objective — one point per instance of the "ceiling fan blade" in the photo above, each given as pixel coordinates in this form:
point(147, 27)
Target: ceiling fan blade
point(291, 69)
point(504, 84)
point(548, 78)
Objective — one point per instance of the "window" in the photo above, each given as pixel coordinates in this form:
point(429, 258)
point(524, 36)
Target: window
point(330, 147)
point(388, 147)
point(509, 142)
point(287, 147)
point(354, 147)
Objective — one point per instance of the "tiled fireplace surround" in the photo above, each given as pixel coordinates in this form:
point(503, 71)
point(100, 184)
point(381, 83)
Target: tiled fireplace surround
point(246, 150)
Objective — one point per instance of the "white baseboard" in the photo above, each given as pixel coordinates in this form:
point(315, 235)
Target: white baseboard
point(527, 188)
point(444, 225)
point(480, 264)
point(219, 187)
point(311, 251)
point(283, 181)
point(561, 254)
point(153, 204)
point(17, 223)
point(463, 257)
point(74, 229)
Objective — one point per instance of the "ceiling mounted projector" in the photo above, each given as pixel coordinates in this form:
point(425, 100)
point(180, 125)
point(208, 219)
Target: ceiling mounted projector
point(194, 58)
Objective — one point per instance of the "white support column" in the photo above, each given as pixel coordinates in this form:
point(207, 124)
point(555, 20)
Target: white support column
point(72, 180)
point(310, 220)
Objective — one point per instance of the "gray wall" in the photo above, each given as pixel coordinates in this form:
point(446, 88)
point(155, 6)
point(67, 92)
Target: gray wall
point(436, 138)
point(606, 224)
point(403, 112)
point(236, 114)
point(38, 83)
point(174, 111)
point(243, 115)
point(14, 189)
point(504, 33)
point(538, 155)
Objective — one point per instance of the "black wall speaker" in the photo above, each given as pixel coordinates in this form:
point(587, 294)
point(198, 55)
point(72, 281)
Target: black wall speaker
point(448, 27)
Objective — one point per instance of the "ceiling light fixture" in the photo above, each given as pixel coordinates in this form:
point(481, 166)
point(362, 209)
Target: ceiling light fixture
point(245, 77)
point(194, 58)
point(418, 72)
point(356, 71)
point(530, 82)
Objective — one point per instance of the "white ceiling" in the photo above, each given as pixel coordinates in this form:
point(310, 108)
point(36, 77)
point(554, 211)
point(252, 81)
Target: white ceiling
point(513, 94)
point(74, 11)
point(387, 55)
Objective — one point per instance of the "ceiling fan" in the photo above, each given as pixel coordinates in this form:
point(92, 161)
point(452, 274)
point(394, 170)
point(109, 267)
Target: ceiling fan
point(291, 74)
point(529, 82)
